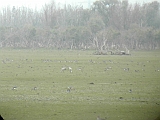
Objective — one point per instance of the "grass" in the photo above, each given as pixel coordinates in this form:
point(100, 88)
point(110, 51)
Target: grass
point(100, 85)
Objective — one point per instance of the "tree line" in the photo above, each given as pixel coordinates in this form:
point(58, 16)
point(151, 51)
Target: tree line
point(108, 24)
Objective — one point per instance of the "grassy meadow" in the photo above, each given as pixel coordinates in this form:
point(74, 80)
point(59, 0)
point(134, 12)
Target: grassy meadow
point(115, 87)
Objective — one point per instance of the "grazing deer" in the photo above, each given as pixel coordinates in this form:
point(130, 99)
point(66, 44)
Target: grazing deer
point(63, 69)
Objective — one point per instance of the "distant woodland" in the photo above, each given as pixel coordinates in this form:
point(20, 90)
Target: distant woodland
point(107, 25)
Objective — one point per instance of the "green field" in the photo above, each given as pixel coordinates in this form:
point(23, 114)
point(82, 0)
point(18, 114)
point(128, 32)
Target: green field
point(33, 87)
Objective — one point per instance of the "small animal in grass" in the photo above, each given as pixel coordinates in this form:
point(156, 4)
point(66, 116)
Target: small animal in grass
point(70, 69)
point(98, 118)
point(14, 88)
point(130, 90)
point(35, 88)
point(63, 69)
point(69, 89)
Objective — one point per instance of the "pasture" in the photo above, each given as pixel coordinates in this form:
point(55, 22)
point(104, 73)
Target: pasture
point(33, 86)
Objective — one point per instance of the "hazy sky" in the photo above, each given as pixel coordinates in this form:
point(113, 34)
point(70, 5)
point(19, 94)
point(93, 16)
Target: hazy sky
point(39, 3)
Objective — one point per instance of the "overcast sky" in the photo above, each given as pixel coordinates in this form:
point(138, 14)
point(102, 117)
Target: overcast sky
point(39, 3)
